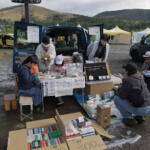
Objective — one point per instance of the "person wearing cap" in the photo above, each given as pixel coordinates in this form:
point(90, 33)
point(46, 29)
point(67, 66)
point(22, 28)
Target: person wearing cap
point(133, 97)
point(46, 54)
point(99, 50)
point(146, 68)
point(59, 68)
point(59, 64)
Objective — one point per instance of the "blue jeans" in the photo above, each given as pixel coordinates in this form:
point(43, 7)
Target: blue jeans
point(128, 110)
point(34, 92)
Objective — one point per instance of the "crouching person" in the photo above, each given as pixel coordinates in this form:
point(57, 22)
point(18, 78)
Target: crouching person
point(28, 83)
point(133, 98)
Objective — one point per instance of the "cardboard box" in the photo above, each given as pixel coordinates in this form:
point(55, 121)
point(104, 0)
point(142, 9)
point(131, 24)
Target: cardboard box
point(46, 123)
point(103, 116)
point(98, 87)
point(18, 139)
point(87, 143)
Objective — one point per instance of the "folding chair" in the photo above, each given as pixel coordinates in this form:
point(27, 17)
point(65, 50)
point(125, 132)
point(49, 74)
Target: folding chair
point(26, 101)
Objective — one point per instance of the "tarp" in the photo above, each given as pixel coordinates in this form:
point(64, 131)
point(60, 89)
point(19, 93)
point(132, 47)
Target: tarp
point(137, 36)
point(116, 31)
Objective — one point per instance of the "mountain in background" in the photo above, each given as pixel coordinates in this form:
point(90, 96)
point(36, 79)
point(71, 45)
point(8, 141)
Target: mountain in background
point(130, 20)
point(127, 14)
point(15, 13)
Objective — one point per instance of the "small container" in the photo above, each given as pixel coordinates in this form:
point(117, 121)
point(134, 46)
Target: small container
point(7, 105)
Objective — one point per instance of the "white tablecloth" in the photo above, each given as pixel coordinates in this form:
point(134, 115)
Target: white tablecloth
point(61, 87)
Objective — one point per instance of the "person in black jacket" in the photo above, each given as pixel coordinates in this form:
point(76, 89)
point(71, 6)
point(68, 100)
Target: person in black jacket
point(133, 98)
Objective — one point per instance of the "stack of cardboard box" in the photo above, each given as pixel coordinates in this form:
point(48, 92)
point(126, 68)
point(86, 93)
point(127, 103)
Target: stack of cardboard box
point(18, 139)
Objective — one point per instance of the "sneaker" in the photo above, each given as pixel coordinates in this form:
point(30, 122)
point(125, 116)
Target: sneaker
point(60, 101)
point(139, 119)
point(129, 122)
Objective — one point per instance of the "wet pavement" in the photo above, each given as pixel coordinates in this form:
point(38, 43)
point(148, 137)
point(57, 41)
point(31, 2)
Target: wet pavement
point(136, 138)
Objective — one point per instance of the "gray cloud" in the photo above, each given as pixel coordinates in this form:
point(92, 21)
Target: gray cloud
point(86, 7)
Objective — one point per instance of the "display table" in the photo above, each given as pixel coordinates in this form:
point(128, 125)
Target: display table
point(63, 86)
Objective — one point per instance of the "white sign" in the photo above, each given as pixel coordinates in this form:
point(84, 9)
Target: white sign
point(33, 34)
point(94, 30)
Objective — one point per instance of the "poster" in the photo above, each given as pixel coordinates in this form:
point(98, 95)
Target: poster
point(95, 31)
point(33, 34)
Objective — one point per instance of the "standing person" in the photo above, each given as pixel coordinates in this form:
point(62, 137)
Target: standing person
point(46, 54)
point(28, 83)
point(133, 96)
point(99, 50)
point(146, 68)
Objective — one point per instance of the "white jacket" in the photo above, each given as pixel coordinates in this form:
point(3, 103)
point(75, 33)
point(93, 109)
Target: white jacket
point(40, 52)
point(91, 50)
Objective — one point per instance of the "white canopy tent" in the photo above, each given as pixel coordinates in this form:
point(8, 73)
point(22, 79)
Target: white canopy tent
point(137, 36)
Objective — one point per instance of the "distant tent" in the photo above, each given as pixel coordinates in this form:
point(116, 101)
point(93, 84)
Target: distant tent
point(118, 35)
point(137, 36)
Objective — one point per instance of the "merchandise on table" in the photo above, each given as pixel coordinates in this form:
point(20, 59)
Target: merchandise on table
point(96, 99)
point(44, 137)
point(97, 71)
point(74, 69)
point(109, 95)
point(78, 128)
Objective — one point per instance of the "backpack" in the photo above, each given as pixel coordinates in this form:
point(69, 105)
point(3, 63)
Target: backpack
point(137, 96)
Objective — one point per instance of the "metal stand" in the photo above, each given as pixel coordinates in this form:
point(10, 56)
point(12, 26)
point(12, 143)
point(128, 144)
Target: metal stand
point(23, 116)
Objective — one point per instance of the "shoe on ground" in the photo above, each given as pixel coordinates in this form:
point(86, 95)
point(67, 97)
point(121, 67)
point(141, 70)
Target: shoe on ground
point(38, 109)
point(60, 102)
point(129, 122)
point(139, 119)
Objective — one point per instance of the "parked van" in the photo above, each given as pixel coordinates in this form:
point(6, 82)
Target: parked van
point(67, 39)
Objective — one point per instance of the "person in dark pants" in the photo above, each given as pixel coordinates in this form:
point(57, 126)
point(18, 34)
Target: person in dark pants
point(133, 97)
point(28, 83)
point(146, 68)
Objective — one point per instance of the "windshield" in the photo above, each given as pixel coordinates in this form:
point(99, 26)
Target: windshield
point(21, 40)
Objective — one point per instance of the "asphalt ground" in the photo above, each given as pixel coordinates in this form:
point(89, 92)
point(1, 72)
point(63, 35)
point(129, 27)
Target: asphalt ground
point(119, 55)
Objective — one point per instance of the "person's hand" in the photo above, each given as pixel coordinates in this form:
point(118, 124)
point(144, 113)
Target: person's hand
point(119, 75)
point(40, 73)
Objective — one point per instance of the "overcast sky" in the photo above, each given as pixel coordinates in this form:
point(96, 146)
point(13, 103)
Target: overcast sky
point(87, 7)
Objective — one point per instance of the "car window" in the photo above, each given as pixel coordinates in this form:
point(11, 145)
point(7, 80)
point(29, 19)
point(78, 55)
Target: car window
point(147, 41)
point(22, 42)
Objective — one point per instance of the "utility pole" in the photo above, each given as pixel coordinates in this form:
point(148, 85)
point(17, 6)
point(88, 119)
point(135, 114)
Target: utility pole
point(26, 6)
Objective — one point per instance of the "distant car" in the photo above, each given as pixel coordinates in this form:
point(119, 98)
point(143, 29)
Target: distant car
point(138, 49)
point(6, 40)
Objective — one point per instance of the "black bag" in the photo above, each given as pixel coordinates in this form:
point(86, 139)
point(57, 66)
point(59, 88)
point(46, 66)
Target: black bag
point(137, 97)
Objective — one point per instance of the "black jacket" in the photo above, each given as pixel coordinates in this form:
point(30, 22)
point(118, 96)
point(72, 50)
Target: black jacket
point(131, 82)
point(101, 51)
